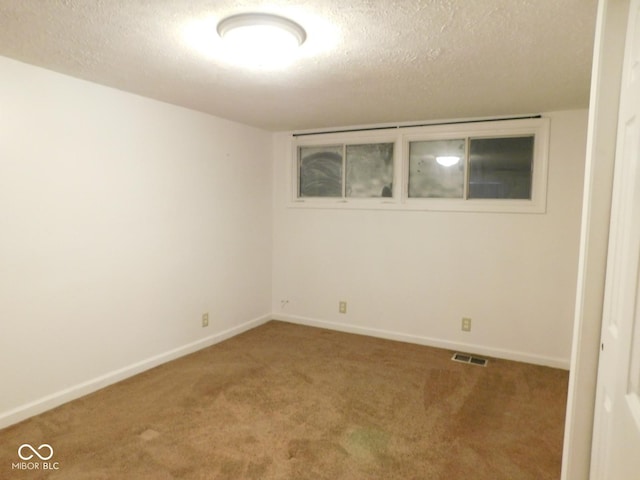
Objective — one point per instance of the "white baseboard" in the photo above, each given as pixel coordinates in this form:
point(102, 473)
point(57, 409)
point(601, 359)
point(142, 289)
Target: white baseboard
point(562, 363)
point(63, 396)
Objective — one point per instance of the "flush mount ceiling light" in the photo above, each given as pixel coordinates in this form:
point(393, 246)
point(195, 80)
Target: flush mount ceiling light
point(447, 161)
point(261, 39)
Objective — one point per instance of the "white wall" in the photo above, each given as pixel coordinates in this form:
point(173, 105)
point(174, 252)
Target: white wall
point(122, 220)
point(412, 275)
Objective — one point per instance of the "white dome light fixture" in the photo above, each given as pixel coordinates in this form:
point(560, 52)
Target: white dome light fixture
point(447, 161)
point(261, 39)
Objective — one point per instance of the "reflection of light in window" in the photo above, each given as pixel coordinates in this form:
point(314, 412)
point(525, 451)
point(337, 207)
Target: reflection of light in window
point(447, 161)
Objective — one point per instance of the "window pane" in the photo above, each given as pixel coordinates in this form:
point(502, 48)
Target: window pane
point(436, 168)
point(500, 167)
point(370, 170)
point(320, 171)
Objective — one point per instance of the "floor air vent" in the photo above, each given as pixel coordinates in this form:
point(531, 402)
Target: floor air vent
point(466, 358)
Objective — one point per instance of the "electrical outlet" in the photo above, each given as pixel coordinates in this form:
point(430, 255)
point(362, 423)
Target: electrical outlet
point(466, 324)
point(205, 320)
point(342, 307)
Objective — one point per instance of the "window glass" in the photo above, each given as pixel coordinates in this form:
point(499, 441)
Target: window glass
point(320, 171)
point(369, 170)
point(501, 167)
point(436, 168)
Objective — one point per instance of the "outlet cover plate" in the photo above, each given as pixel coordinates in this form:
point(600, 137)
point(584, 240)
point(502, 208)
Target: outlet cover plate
point(342, 307)
point(466, 324)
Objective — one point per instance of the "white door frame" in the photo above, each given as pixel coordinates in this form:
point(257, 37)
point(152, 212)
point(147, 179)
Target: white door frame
point(601, 140)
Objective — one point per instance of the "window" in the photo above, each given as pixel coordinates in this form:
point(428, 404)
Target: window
point(369, 170)
point(436, 168)
point(321, 171)
point(499, 168)
point(494, 166)
point(346, 171)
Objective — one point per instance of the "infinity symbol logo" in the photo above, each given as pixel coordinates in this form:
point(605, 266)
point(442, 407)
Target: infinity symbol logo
point(26, 446)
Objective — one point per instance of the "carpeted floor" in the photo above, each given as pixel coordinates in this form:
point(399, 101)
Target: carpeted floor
point(284, 401)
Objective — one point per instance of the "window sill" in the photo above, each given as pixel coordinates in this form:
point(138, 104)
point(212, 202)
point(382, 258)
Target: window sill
point(424, 205)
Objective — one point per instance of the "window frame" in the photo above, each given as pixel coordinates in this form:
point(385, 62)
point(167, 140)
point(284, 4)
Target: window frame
point(401, 137)
point(345, 139)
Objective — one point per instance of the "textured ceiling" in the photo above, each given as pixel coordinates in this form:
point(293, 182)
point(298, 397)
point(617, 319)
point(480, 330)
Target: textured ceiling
point(365, 61)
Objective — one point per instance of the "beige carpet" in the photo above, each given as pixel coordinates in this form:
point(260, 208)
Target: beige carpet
point(291, 402)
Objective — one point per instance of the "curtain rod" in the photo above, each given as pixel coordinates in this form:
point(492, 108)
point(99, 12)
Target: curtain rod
point(453, 122)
